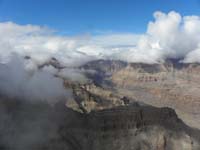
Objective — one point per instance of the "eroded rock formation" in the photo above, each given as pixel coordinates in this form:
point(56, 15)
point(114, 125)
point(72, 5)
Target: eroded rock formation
point(170, 84)
point(40, 126)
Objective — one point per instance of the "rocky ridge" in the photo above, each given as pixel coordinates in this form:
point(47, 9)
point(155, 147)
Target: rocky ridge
point(133, 127)
point(170, 84)
point(114, 110)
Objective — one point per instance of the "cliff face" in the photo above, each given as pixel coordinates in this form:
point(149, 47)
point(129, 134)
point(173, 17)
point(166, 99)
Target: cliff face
point(135, 127)
point(140, 127)
point(170, 84)
point(111, 112)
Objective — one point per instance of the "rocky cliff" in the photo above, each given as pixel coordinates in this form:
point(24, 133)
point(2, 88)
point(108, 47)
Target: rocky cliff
point(170, 84)
point(123, 106)
point(40, 126)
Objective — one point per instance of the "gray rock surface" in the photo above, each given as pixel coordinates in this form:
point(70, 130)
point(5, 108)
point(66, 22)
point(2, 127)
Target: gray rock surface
point(40, 126)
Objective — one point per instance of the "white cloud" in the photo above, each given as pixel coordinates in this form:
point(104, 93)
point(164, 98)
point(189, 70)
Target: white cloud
point(123, 39)
point(22, 78)
point(168, 36)
point(42, 44)
point(17, 82)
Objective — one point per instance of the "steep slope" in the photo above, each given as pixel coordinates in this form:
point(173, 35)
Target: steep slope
point(111, 111)
point(170, 84)
point(38, 125)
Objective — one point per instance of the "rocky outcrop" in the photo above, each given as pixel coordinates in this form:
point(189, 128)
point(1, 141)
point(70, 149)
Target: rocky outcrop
point(135, 127)
point(103, 70)
point(111, 111)
point(38, 125)
point(169, 84)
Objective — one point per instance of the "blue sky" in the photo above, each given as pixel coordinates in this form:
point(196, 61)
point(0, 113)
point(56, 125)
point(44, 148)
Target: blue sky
point(92, 16)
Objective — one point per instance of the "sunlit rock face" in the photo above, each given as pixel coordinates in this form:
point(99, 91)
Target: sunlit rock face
point(169, 84)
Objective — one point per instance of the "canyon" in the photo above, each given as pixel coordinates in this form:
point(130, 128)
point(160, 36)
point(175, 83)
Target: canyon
point(122, 106)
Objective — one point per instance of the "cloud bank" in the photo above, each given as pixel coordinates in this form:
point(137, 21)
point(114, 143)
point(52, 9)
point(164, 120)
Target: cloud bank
point(169, 35)
point(42, 44)
point(172, 36)
point(17, 82)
